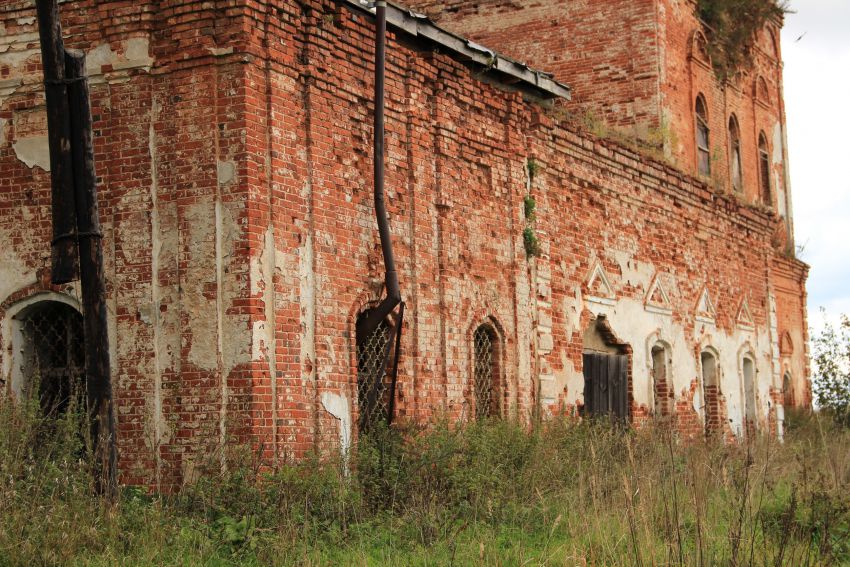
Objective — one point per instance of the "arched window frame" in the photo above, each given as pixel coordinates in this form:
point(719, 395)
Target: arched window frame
point(749, 391)
point(20, 349)
point(762, 91)
point(711, 407)
point(487, 384)
point(736, 170)
point(373, 354)
point(787, 390)
point(699, 49)
point(661, 390)
point(703, 136)
point(764, 170)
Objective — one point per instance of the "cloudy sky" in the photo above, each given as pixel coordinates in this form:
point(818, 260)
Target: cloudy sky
point(816, 50)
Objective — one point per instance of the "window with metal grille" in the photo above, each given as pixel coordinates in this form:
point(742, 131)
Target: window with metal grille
point(735, 153)
point(485, 372)
point(703, 150)
point(53, 362)
point(373, 391)
point(764, 169)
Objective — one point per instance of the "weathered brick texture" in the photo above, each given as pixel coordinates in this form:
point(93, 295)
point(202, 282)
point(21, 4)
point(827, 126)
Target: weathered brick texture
point(233, 146)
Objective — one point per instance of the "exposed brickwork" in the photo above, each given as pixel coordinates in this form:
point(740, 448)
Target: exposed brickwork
point(638, 66)
point(233, 144)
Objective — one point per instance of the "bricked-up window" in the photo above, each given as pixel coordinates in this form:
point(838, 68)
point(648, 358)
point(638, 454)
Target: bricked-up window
point(735, 153)
point(711, 391)
point(703, 149)
point(787, 391)
point(485, 372)
point(661, 380)
point(749, 370)
point(764, 170)
point(373, 388)
point(53, 356)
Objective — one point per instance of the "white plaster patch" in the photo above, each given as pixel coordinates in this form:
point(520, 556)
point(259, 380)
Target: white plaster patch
point(3, 131)
point(337, 406)
point(33, 151)
point(226, 171)
point(14, 273)
point(219, 51)
point(26, 21)
point(132, 53)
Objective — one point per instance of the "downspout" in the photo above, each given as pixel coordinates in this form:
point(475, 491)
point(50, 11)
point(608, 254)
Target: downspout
point(393, 298)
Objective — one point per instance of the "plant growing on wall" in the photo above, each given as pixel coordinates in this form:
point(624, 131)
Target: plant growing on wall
point(732, 28)
point(529, 205)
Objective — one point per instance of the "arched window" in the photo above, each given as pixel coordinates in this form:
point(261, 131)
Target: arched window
point(703, 148)
point(373, 354)
point(787, 391)
point(764, 170)
point(662, 388)
point(762, 92)
point(52, 355)
point(711, 391)
point(485, 371)
point(735, 154)
point(699, 48)
point(749, 370)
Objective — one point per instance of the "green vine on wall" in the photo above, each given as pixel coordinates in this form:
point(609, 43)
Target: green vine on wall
point(529, 205)
point(732, 29)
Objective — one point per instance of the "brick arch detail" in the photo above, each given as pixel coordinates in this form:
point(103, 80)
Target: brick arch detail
point(485, 317)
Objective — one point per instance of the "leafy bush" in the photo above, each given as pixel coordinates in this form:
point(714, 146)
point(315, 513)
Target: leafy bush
point(831, 381)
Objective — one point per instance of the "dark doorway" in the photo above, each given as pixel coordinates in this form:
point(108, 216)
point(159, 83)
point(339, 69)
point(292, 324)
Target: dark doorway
point(606, 363)
point(606, 385)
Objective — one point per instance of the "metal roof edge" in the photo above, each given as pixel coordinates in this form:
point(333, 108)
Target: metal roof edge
point(420, 26)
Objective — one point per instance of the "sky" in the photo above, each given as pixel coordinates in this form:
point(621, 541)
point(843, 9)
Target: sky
point(816, 51)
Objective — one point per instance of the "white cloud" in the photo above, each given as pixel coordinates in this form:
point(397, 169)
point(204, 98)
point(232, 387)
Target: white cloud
point(817, 87)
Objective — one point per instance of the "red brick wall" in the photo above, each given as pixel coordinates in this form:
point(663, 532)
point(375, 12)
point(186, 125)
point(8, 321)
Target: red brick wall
point(686, 74)
point(235, 164)
point(633, 65)
point(605, 50)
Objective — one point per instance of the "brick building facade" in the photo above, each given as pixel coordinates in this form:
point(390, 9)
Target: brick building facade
point(233, 148)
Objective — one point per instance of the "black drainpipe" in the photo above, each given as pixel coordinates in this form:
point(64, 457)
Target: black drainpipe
point(393, 298)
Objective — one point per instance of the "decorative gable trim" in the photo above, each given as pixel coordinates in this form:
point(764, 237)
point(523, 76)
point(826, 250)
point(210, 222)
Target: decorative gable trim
point(705, 311)
point(657, 300)
point(599, 288)
point(744, 319)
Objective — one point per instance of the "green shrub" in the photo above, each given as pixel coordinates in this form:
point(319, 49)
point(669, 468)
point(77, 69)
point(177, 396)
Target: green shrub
point(831, 380)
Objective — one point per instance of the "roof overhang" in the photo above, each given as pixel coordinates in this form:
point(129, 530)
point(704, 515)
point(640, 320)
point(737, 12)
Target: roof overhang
point(504, 69)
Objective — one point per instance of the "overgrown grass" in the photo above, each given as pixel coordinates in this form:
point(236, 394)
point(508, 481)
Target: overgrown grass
point(486, 493)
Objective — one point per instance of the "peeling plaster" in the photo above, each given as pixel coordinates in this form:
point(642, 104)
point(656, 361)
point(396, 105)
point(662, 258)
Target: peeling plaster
point(15, 272)
point(132, 53)
point(337, 405)
point(33, 151)
point(640, 328)
point(226, 171)
point(3, 131)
